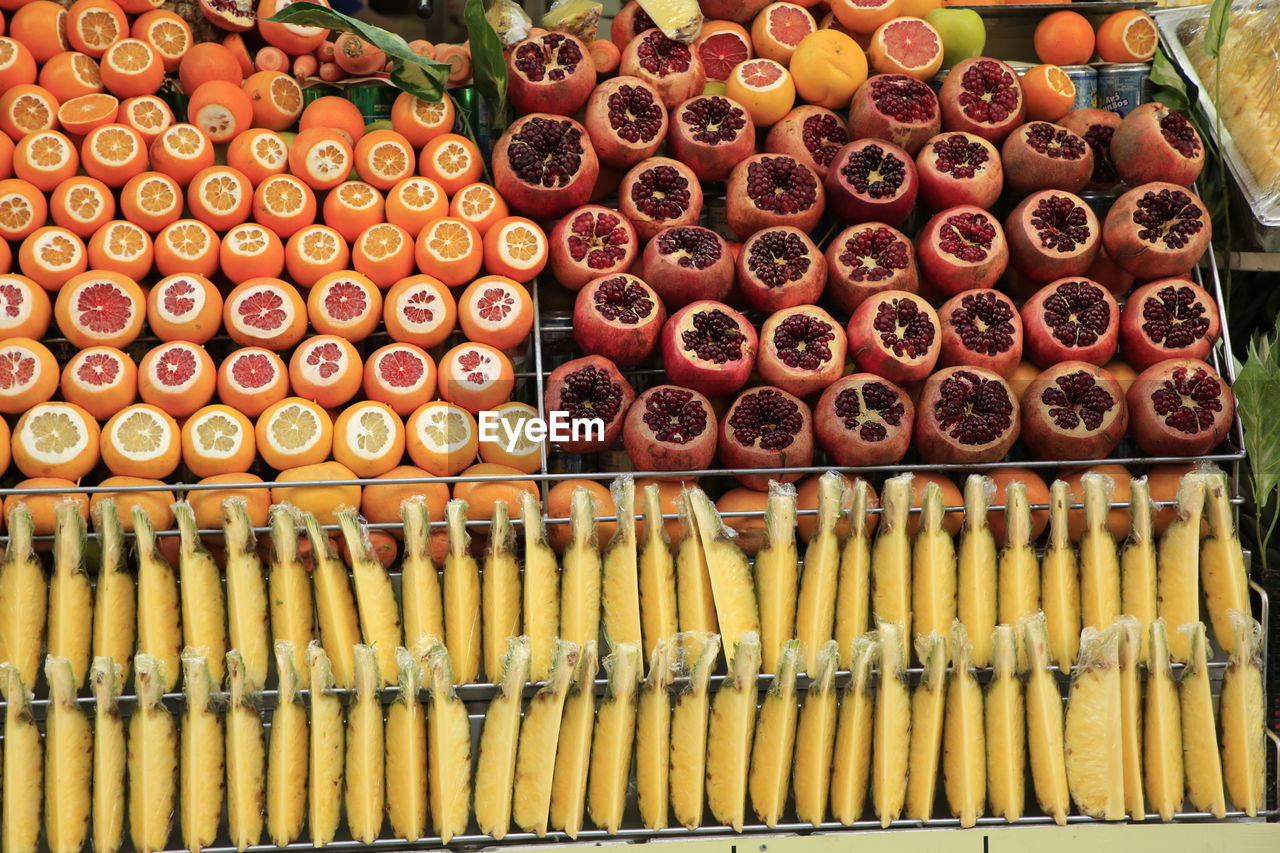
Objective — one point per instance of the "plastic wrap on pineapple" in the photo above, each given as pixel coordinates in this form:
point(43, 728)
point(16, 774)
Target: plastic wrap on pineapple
point(579, 18)
point(511, 22)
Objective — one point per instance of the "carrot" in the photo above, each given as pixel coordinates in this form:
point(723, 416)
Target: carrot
point(331, 73)
point(605, 56)
point(458, 57)
point(423, 48)
point(305, 66)
point(356, 56)
point(325, 51)
point(271, 59)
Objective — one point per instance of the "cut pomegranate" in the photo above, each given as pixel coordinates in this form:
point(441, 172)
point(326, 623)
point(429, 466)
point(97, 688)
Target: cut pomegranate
point(618, 317)
point(867, 259)
point(709, 347)
point(766, 190)
point(630, 22)
point(1155, 143)
point(658, 193)
point(549, 73)
point(710, 134)
point(587, 389)
point(981, 328)
point(959, 168)
point(1052, 234)
point(1096, 127)
point(966, 415)
point(802, 350)
point(872, 181)
point(1071, 319)
point(590, 242)
point(1074, 410)
point(811, 135)
point(962, 248)
point(780, 268)
point(897, 109)
point(864, 419)
point(626, 121)
point(670, 428)
point(1171, 318)
point(895, 334)
point(670, 67)
point(1180, 407)
point(688, 263)
point(1157, 230)
point(766, 428)
point(235, 16)
point(544, 165)
point(982, 96)
point(1043, 156)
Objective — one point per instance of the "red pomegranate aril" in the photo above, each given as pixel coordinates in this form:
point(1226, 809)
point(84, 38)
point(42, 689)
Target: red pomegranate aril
point(962, 248)
point(766, 428)
point(802, 350)
point(957, 168)
point(1044, 156)
point(871, 181)
point(1180, 407)
point(1052, 234)
point(586, 389)
point(1071, 319)
point(544, 165)
point(619, 317)
point(1157, 231)
point(1155, 143)
point(864, 419)
point(549, 73)
point(780, 268)
point(709, 347)
point(1074, 410)
point(590, 242)
point(1096, 127)
point(811, 135)
point(1170, 318)
point(867, 259)
point(711, 134)
point(766, 190)
point(659, 193)
point(626, 121)
point(671, 67)
point(982, 96)
point(670, 428)
point(897, 109)
point(688, 263)
point(896, 335)
point(966, 415)
point(981, 328)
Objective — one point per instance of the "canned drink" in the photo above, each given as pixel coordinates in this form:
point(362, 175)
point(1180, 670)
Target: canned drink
point(373, 98)
point(315, 91)
point(469, 102)
point(1123, 86)
point(1085, 77)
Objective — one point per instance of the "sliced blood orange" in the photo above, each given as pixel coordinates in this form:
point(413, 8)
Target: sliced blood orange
point(863, 16)
point(764, 88)
point(721, 46)
point(147, 114)
point(120, 246)
point(22, 208)
point(351, 207)
point(101, 380)
point(187, 245)
point(441, 438)
point(321, 157)
point(56, 439)
point(401, 375)
point(217, 439)
point(28, 374)
point(220, 196)
point(496, 310)
point(45, 158)
point(419, 310)
point(345, 303)
point(778, 29)
point(276, 99)
point(326, 369)
point(384, 157)
point(313, 252)
point(476, 377)
point(250, 250)
point(480, 205)
point(27, 108)
point(141, 441)
point(17, 65)
point(384, 252)
point(82, 114)
point(184, 307)
point(25, 308)
point(259, 153)
point(413, 202)
point(284, 204)
point(100, 308)
point(70, 75)
point(449, 249)
point(906, 46)
point(177, 376)
point(51, 255)
point(251, 379)
point(181, 151)
point(131, 68)
point(421, 121)
point(95, 25)
point(515, 247)
point(82, 205)
point(165, 31)
point(294, 432)
point(152, 200)
point(368, 437)
point(265, 312)
point(522, 454)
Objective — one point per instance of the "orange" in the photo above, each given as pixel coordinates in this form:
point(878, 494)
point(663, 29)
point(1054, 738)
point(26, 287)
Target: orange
point(721, 45)
point(100, 308)
point(26, 308)
point(450, 250)
point(283, 204)
point(276, 99)
point(101, 380)
point(187, 245)
point(28, 374)
point(333, 113)
point(383, 157)
point(220, 109)
point(157, 505)
point(827, 68)
point(313, 252)
point(216, 439)
point(51, 255)
point(220, 196)
point(321, 157)
point(478, 204)
point(344, 303)
point(381, 503)
point(207, 503)
point(419, 310)
point(383, 252)
point(401, 375)
point(482, 496)
point(250, 249)
point(515, 247)
point(259, 153)
point(40, 25)
point(82, 205)
point(778, 29)
point(22, 208)
point(452, 161)
point(1049, 93)
point(420, 121)
point(864, 16)
point(351, 207)
point(6, 257)
point(181, 151)
point(113, 154)
point(441, 438)
point(146, 114)
point(476, 377)
point(27, 109)
point(55, 439)
point(294, 432)
point(265, 312)
point(497, 311)
point(43, 505)
point(184, 307)
point(17, 65)
point(1127, 37)
point(151, 200)
point(82, 114)
point(177, 376)
point(414, 201)
point(322, 501)
point(560, 500)
point(369, 438)
point(95, 25)
point(207, 61)
point(907, 46)
point(131, 67)
point(511, 446)
point(70, 75)
point(252, 378)
point(764, 88)
point(1064, 38)
point(141, 441)
point(45, 158)
point(120, 246)
point(165, 31)
point(325, 369)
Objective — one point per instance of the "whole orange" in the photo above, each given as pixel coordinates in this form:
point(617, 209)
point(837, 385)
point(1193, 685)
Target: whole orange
point(1064, 38)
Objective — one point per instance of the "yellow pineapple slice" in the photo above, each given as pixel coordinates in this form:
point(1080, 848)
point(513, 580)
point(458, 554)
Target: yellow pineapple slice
point(419, 581)
point(851, 758)
point(448, 747)
point(70, 594)
point(109, 756)
point(582, 578)
point(777, 575)
point(406, 755)
point(892, 730)
point(204, 614)
point(159, 608)
point(1162, 730)
point(732, 590)
point(1178, 566)
point(246, 756)
point(1222, 570)
point(1099, 563)
point(573, 750)
point(24, 594)
point(1018, 574)
point(1138, 566)
point(336, 613)
point(153, 759)
point(815, 739)
point(327, 743)
point(615, 730)
point(376, 603)
point(853, 598)
point(68, 758)
point(695, 604)
point(1045, 739)
point(933, 569)
point(201, 757)
point(775, 737)
point(1060, 583)
point(364, 796)
point(1201, 758)
point(287, 754)
point(928, 707)
point(499, 593)
point(246, 593)
point(461, 600)
point(291, 608)
point(1242, 711)
point(733, 717)
point(816, 608)
point(1004, 714)
point(1093, 729)
point(891, 557)
point(653, 735)
point(1131, 717)
point(115, 601)
point(964, 742)
point(541, 610)
point(620, 572)
point(23, 765)
point(657, 568)
point(539, 736)
point(499, 743)
point(689, 729)
point(977, 560)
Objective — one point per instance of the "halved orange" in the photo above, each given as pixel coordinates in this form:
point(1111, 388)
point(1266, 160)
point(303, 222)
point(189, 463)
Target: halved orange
point(177, 376)
point(480, 205)
point(1128, 37)
point(141, 441)
point(70, 75)
point(294, 432)
point(276, 99)
point(250, 250)
point(220, 109)
point(421, 121)
point(476, 377)
point(496, 310)
point(513, 447)
point(100, 380)
point(220, 196)
point(383, 252)
point(41, 26)
point(25, 309)
point(441, 438)
point(344, 303)
point(326, 369)
point(778, 29)
point(368, 437)
point(82, 205)
point(321, 157)
point(217, 439)
point(100, 308)
point(45, 158)
point(165, 31)
point(1049, 93)
point(419, 310)
point(17, 65)
point(181, 151)
point(56, 439)
point(95, 25)
point(113, 154)
point(259, 153)
point(22, 208)
point(452, 161)
point(152, 200)
point(384, 157)
point(450, 250)
point(184, 307)
point(251, 379)
point(265, 312)
point(313, 252)
point(121, 246)
point(187, 245)
point(351, 207)
point(27, 108)
point(51, 255)
point(414, 201)
point(28, 374)
point(401, 375)
point(81, 115)
point(515, 247)
point(284, 204)
point(907, 46)
point(131, 67)
point(147, 114)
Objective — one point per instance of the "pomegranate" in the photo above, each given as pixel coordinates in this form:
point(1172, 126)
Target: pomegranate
point(1157, 230)
point(544, 165)
point(766, 428)
point(590, 242)
point(895, 108)
point(710, 134)
point(671, 67)
point(549, 73)
point(810, 134)
point(687, 263)
point(630, 22)
point(773, 189)
point(709, 347)
point(1074, 410)
point(867, 259)
point(871, 180)
point(895, 335)
point(619, 317)
point(981, 328)
point(1043, 156)
point(1071, 319)
point(1155, 143)
point(1096, 127)
point(802, 350)
point(1108, 273)
point(236, 16)
point(962, 248)
point(585, 389)
point(864, 419)
point(670, 428)
point(626, 121)
point(982, 96)
point(780, 268)
point(1170, 318)
point(658, 193)
point(1180, 407)
point(1052, 234)
point(959, 168)
point(965, 415)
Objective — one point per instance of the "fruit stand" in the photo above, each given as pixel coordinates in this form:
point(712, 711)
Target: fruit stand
point(901, 479)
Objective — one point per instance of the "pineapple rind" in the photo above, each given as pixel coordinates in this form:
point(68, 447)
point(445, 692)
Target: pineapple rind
point(733, 716)
point(928, 704)
point(976, 572)
point(775, 738)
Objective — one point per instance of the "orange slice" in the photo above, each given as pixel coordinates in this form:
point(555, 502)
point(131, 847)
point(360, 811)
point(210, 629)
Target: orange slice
point(284, 204)
point(152, 200)
point(45, 158)
point(480, 205)
point(25, 308)
point(265, 312)
point(384, 157)
point(177, 376)
point(383, 252)
point(497, 311)
point(419, 310)
point(449, 249)
point(441, 438)
point(22, 208)
point(181, 151)
point(476, 377)
point(56, 440)
point(345, 303)
point(250, 250)
point(351, 207)
point(28, 374)
point(82, 205)
point(82, 114)
point(313, 252)
point(326, 369)
point(217, 439)
point(401, 375)
point(515, 247)
point(187, 245)
point(52, 255)
point(251, 379)
point(100, 380)
point(184, 307)
point(220, 196)
point(294, 432)
point(120, 246)
point(141, 441)
point(369, 438)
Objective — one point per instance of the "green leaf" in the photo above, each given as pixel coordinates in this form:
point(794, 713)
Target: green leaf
point(1171, 89)
point(421, 77)
point(488, 64)
point(1219, 22)
point(1257, 391)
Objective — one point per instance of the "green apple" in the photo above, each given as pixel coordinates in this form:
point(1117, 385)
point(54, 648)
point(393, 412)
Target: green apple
point(963, 32)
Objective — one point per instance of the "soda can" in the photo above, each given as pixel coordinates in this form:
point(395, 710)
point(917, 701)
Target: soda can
point(373, 98)
point(1085, 77)
point(313, 91)
point(1122, 86)
point(473, 107)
